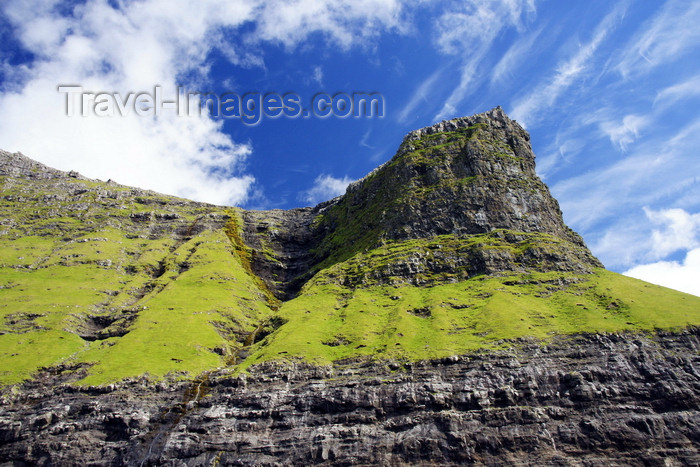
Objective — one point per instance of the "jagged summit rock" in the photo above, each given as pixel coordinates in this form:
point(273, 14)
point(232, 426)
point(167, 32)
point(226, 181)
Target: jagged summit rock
point(18, 165)
point(468, 175)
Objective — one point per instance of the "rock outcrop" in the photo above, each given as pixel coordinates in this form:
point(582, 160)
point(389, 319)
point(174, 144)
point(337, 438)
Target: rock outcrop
point(593, 400)
point(463, 177)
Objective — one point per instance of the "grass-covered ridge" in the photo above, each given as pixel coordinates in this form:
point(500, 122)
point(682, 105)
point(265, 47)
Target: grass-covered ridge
point(451, 258)
point(330, 322)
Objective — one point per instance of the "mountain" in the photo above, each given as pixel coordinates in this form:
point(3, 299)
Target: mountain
point(440, 311)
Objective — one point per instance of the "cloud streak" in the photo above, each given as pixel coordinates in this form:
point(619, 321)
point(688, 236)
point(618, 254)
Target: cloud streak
point(527, 108)
point(626, 132)
point(420, 96)
point(667, 37)
point(671, 95)
point(468, 31)
point(513, 57)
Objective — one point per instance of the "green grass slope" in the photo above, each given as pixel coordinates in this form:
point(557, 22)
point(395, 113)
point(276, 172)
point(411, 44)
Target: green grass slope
point(329, 321)
point(97, 281)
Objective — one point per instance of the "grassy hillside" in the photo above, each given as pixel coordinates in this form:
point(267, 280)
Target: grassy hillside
point(92, 276)
point(330, 322)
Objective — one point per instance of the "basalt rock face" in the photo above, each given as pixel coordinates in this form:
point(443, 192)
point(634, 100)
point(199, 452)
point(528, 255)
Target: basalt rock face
point(465, 176)
point(582, 401)
point(281, 244)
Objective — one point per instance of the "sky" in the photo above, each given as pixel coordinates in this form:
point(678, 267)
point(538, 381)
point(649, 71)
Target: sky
point(609, 92)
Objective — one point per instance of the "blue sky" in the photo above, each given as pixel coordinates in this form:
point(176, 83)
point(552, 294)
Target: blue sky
point(609, 91)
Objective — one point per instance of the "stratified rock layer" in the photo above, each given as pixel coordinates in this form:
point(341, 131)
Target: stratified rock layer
point(587, 400)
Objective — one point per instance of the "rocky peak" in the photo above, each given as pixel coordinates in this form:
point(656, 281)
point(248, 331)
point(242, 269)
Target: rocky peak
point(464, 177)
point(495, 117)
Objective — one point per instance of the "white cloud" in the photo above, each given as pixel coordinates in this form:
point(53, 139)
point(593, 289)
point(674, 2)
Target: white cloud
point(668, 36)
point(635, 239)
point(365, 137)
point(420, 96)
point(622, 244)
point(325, 187)
point(626, 132)
point(678, 92)
point(317, 75)
point(594, 196)
point(133, 47)
point(564, 148)
point(120, 51)
point(526, 108)
point(467, 72)
point(515, 55)
point(345, 22)
point(681, 230)
point(683, 276)
point(475, 22)
point(654, 172)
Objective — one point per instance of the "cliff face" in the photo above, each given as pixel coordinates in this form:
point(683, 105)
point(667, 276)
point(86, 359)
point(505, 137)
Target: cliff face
point(590, 400)
point(440, 312)
point(464, 177)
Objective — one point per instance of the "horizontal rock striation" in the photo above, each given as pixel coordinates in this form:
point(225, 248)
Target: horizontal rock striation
point(584, 400)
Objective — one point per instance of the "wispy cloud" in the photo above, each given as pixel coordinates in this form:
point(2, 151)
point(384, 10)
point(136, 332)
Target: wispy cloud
point(317, 75)
point(420, 96)
point(641, 178)
point(678, 92)
point(478, 22)
point(526, 108)
point(345, 22)
point(605, 202)
point(468, 30)
point(325, 187)
point(592, 197)
point(467, 73)
point(624, 133)
point(565, 147)
point(365, 137)
point(668, 36)
point(515, 55)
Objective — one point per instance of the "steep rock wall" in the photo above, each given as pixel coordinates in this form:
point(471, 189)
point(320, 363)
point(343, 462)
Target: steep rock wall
point(584, 400)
